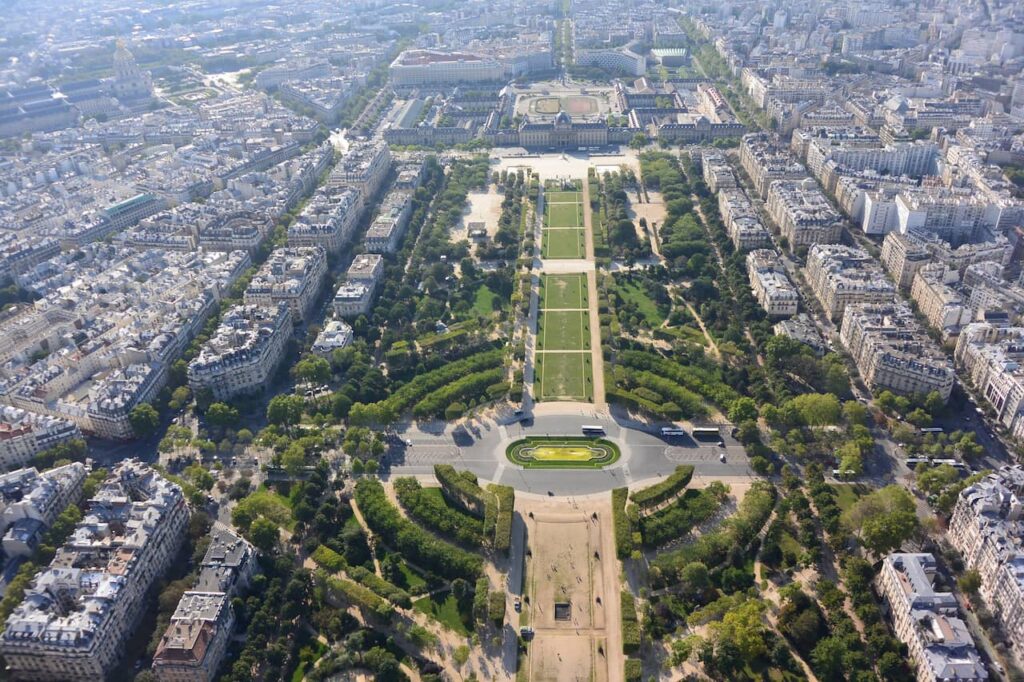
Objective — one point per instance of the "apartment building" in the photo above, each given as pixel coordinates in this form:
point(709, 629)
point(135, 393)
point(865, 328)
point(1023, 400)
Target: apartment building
point(243, 353)
point(939, 299)
point(770, 285)
point(24, 434)
point(328, 220)
point(991, 357)
point(952, 214)
point(765, 162)
point(990, 293)
point(903, 256)
point(839, 275)
point(193, 646)
point(803, 213)
point(892, 352)
point(741, 221)
point(355, 295)
point(31, 503)
point(385, 232)
point(716, 171)
point(926, 620)
point(986, 528)
point(79, 612)
point(364, 168)
point(291, 275)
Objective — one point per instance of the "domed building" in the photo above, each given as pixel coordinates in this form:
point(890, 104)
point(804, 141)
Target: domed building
point(130, 82)
point(563, 133)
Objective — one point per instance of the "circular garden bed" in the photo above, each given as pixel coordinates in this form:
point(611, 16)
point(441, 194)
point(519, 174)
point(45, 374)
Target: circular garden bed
point(562, 452)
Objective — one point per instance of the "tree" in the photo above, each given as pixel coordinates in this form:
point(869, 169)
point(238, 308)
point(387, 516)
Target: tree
point(285, 410)
point(264, 534)
point(222, 415)
point(970, 582)
point(294, 459)
point(639, 141)
point(313, 369)
point(144, 420)
point(885, 519)
point(694, 579)
point(743, 409)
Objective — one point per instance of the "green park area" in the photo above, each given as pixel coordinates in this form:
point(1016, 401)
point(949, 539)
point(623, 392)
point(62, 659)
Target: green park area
point(562, 452)
point(564, 376)
point(563, 226)
point(564, 292)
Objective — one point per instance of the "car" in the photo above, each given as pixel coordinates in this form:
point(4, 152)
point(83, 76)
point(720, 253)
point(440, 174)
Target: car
point(518, 605)
point(721, 458)
point(408, 441)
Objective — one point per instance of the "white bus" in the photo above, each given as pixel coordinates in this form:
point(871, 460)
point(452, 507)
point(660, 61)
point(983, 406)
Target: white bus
point(672, 431)
point(707, 433)
point(590, 430)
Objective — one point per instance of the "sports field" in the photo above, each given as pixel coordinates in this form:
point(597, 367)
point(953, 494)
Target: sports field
point(563, 226)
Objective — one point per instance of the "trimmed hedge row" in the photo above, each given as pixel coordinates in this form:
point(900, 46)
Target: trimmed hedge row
point(620, 521)
point(696, 379)
point(679, 518)
point(355, 594)
point(496, 607)
point(436, 515)
point(416, 544)
point(389, 591)
point(654, 495)
point(329, 559)
point(505, 496)
point(424, 384)
point(462, 489)
point(468, 386)
point(634, 670)
point(630, 624)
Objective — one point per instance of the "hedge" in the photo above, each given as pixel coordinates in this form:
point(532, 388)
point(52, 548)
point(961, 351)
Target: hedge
point(355, 594)
point(462, 489)
point(481, 605)
point(630, 624)
point(623, 530)
point(436, 514)
point(329, 559)
point(687, 512)
point(505, 496)
point(696, 379)
point(634, 670)
point(654, 495)
point(424, 384)
point(417, 545)
point(469, 386)
point(389, 591)
point(496, 607)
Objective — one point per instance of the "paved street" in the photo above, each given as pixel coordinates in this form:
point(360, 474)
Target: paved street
point(480, 447)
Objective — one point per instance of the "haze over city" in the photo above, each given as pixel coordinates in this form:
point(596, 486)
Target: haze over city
point(452, 341)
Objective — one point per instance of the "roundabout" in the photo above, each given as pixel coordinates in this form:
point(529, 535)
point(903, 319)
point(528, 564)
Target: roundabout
point(562, 452)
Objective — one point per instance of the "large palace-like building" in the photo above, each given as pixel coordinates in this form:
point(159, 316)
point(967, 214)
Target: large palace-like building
point(563, 133)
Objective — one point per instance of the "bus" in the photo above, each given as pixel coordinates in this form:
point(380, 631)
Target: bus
point(672, 431)
point(707, 433)
point(951, 462)
point(914, 461)
point(933, 429)
point(590, 430)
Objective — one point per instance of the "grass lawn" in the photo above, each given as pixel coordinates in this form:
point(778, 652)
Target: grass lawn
point(267, 503)
point(563, 243)
point(790, 545)
point(561, 197)
point(565, 215)
point(564, 291)
point(445, 612)
point(846, 495)
point(414, 582)
point(483, 305)
point(564, 376)
point(634, 293)
point(563, 330)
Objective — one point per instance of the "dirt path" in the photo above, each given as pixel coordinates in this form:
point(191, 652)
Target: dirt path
point(596, 355)
point(707, 335)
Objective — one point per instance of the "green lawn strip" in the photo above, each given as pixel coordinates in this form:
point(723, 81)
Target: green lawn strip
point(564, 291)
point(483, 303)
point(565, 376)
point(445, 612)
point(561, 197)
point(565, 215)
point(846, 495)
point(563, 243)
point(563, 330)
